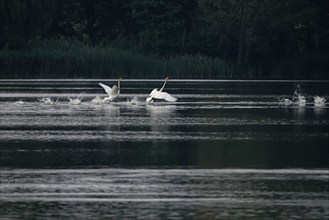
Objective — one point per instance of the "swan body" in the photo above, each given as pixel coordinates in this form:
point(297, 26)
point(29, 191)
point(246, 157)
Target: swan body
point(319, 101)
point(158, 94)
point(112, 92)
point(155, 94)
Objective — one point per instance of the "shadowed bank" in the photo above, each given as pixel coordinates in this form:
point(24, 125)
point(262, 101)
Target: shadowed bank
point(200, 39)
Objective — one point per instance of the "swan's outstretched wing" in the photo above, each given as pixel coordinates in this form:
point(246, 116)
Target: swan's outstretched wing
point(107, 89)
point(163, 95)
point(169, 98)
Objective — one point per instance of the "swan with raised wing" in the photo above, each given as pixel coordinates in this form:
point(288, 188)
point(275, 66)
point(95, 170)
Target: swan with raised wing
point(113, 92)
point(158, 94)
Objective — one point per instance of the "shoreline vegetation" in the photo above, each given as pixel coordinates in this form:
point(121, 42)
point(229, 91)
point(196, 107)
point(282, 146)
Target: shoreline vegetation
point(194, 39)
point(73, 59)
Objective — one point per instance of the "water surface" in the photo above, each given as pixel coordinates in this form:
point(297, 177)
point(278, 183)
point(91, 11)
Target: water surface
point(226, 149)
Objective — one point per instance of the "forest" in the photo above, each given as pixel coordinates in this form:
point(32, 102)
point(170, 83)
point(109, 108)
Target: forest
point(197, 39)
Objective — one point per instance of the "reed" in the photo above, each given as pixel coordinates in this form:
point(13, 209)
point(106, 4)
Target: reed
point(73, 59)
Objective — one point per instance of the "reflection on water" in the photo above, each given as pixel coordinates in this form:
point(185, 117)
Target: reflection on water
point(217, 127)
point(164, 193)
point(159, 116)
point(299, 113)
point(319, 111)
point(228, 152)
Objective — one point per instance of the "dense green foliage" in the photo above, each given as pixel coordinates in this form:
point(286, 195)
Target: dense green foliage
point(72, 59)
point(152, 38)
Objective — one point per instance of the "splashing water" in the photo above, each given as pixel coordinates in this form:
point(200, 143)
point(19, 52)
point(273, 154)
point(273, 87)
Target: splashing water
point(300, 99)
point(97, 100)
point(76, 101)
point(48, 101)
point(284, 101)
point(319, 101)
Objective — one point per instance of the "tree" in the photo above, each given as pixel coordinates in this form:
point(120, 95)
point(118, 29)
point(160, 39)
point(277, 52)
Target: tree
point(24, 21)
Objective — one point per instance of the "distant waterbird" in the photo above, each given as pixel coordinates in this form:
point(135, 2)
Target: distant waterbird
point(159, 95)
point(113, 92)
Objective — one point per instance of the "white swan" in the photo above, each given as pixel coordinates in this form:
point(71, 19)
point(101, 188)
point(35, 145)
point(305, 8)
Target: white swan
point(76, 101)
point(112, 92)
point(158, 94)
point(319, 101)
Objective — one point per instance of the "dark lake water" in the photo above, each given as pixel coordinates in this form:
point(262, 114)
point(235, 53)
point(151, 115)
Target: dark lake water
point(224, 150)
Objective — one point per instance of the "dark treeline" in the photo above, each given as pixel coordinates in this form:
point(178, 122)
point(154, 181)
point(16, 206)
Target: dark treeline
point(261, 39)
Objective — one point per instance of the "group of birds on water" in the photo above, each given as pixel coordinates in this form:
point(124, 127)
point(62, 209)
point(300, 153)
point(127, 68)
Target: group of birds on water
point(300, 100)
point(114, 92)
point(158, 94)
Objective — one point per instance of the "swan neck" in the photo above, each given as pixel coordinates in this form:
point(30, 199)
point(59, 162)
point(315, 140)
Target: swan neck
point(163, 85)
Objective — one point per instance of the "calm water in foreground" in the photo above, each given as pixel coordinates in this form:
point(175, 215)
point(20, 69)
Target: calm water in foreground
point(224, 150)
